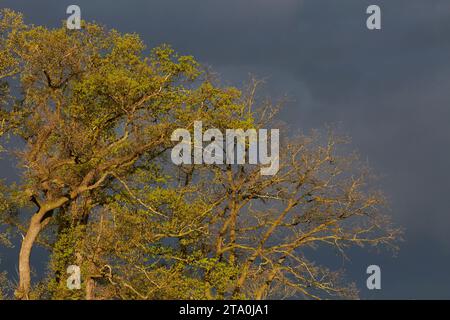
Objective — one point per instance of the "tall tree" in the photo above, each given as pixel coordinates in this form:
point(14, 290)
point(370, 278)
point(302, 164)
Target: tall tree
point(94, 115)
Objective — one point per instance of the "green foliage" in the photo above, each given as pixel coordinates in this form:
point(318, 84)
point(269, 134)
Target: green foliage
point(5, 286)
point(94, 116)
point(64, 255)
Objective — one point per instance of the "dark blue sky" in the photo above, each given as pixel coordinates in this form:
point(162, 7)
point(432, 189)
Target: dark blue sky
point(389, 90)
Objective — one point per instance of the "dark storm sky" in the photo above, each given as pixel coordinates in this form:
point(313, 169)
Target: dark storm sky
point(389, 90)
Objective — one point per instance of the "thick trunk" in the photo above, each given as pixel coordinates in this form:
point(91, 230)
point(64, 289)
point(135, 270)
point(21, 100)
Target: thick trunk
point(39, 220)
point(23, 290)
point(262, 291)
point(90, 286)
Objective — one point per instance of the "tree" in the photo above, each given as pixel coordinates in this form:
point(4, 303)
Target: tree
point(95, 113)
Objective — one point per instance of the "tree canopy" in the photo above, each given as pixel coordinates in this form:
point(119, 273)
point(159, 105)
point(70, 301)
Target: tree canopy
point(91, 113)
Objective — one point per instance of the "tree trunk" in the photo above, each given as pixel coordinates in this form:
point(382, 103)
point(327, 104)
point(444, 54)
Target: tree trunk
point(39, 220)
point(90, 286)
point(23, 290)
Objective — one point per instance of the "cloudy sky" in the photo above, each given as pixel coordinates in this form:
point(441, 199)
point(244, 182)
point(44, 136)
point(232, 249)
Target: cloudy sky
point(388, 89)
